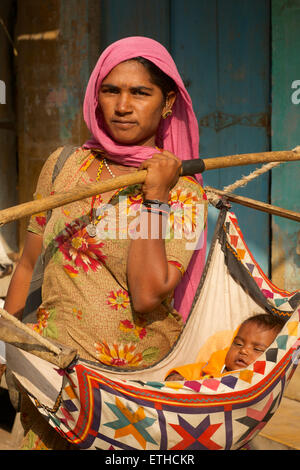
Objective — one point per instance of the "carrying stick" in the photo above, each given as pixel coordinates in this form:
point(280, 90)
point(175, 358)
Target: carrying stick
point(258, 205)
point(189, 167)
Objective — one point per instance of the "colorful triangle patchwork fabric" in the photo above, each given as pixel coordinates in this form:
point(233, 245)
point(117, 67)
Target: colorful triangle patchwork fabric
point(277, 301)
point(96, 412)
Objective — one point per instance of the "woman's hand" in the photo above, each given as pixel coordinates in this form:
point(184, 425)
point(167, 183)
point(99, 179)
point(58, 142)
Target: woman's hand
point(163, 171)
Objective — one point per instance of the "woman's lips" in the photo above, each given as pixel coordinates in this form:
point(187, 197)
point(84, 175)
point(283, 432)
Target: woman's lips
point(124, 124)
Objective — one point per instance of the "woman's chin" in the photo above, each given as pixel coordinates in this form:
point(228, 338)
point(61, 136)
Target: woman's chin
point(134, 142)
point(123, 137)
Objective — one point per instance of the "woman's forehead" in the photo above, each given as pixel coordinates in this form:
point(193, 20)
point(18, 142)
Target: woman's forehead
point(128, 71)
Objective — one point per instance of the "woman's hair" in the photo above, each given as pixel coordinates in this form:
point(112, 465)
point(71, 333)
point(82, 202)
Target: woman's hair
point(158, 77)
point(266, 320)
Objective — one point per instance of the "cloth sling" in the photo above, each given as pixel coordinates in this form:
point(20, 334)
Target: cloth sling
point(99, 407)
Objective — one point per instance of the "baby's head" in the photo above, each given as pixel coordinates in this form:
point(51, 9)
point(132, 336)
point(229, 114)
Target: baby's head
point(253, 337)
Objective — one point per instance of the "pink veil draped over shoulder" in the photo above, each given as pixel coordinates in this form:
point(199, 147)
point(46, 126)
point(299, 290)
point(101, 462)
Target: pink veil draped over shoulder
point(179, 134)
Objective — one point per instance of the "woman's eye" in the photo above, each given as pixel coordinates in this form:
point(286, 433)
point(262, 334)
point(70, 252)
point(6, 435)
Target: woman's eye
point(140, 92)
point(109, 90)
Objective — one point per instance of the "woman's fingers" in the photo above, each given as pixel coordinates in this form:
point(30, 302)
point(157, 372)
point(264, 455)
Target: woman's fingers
point(165, 160)
point(163, 171)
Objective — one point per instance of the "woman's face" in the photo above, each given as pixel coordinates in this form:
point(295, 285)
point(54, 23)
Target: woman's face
point(132, 105)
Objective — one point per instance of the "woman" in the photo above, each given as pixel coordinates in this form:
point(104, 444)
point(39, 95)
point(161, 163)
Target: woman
point(109, 282)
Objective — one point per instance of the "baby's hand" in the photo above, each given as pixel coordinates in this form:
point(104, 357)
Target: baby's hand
point(174, 376)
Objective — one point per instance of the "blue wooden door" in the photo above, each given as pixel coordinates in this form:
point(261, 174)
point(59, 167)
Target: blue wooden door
point(285, 136)
point(221, 49)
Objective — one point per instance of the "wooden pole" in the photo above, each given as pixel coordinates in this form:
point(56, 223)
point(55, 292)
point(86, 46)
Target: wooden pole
point(251, 158)
point(261, 206)
point(60, 199)
point(136, 177)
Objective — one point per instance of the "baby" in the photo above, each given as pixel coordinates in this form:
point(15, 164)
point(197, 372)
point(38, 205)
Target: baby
point(254, 336)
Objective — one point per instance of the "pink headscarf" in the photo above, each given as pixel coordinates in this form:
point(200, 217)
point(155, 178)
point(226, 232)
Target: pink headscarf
point(179, 133)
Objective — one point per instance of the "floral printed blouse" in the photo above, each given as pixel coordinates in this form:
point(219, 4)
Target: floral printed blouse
point(85, 300)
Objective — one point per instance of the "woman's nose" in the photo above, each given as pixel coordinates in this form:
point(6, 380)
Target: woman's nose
point(123, 104)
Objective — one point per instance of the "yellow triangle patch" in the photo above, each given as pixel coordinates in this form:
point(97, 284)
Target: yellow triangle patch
point(70, 392)
point(241, 253)
point(246, 375)
point(293, 328)
point(174, 385)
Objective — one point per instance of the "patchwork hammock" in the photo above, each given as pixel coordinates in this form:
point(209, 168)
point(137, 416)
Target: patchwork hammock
point(103, 408)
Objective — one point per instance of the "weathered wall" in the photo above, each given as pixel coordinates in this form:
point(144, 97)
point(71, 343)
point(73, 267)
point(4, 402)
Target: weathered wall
point(58, 44)
point(285, 135)
point(8, 164)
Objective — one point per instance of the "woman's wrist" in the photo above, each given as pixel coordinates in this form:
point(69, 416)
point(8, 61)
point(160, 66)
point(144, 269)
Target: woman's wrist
point(163, 198)
point(156, 203)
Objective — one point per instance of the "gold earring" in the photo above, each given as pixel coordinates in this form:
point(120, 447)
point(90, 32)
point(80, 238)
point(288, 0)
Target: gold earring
point(167, 113)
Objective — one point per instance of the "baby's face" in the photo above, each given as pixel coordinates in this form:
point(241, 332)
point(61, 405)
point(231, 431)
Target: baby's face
point(250, 342)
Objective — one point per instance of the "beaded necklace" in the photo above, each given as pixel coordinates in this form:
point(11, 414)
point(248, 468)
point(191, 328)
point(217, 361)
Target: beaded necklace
point(91, 227)
point(108, 168)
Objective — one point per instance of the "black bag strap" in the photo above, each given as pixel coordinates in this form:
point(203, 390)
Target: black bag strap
point(62, 158)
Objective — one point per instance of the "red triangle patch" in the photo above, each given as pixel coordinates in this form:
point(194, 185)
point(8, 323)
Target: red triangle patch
point(259, 367)
point(258, 281)
point(213, 384)
point(234, 240)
